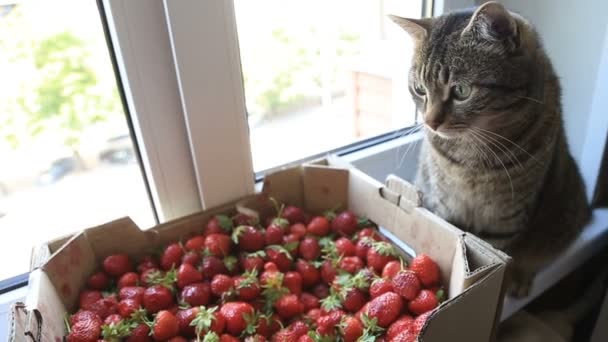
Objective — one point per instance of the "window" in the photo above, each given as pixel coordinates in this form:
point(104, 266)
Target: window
point(319, 75)
point(66, 154)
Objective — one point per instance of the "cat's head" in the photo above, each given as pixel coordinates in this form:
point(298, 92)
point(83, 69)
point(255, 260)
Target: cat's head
point(473, 68)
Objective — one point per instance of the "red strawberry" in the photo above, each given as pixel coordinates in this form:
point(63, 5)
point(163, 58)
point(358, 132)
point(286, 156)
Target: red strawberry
point(234, 313)
point(404, 323)
point(274, 234)
point(128, 279)
point(309, 248)
point(380, 286)
point(386, 308)
point(85, 330)
point(157, 298)
point(406, 284)
point(321, 291)
point(88, 297)
point(252, 261)
point(345, 247)
point(211, 266)
point(84, 315)
point(426, 269)
point(113, 319)
point(293, 281)
point(171, 257)
point(228, 338)
point(405, 336)
point(218, 244)
point(196, 294)
point(177, 339)
point(219, 224)
point(192, 258)
point(268, 325)
point(313, 314)
point(328, 272)
point(289, 306)
point(361, 248)
point(370, 233)
point(241, 219)
point(424, 302)
point(310, 274)
point(351, 328)
point(306, 338)
point(104, 307)
point(354, 299)
point(298, 230)
point(221, 284)
point(132, 292)
point(195, 243)
point(141, 333)
point(293, 214)
point(165, 326)
point(346, 223)
point(327, 323)
point(319, 226)
point(279, 256)
point(117, 264)
point(187, 274)
point(391, 269)
point(247, 286)
point(98, 281)
point(380, 254)
point(420, 321)
point(351, 264)
point(147, 275)
point(184, 318)
point(146, 263)
point(310, 301)
point(128, 306)
point(248, 238)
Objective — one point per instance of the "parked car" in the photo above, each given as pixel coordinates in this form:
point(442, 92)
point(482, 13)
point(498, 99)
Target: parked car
point(58, 169)
point(118, 150)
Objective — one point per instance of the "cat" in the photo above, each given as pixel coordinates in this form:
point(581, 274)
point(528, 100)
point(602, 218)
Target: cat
point(494, 159)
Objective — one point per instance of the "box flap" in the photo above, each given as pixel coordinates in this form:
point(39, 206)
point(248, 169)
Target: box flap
point(45, 309)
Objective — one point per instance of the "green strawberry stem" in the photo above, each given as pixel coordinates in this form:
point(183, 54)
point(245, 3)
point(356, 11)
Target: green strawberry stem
point(66, 321)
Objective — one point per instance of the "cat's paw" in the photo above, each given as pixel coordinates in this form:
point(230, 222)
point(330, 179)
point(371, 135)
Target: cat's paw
point(521, 284)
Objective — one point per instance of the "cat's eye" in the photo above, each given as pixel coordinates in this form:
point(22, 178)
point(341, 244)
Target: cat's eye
point(419, 89)
point(461, 92)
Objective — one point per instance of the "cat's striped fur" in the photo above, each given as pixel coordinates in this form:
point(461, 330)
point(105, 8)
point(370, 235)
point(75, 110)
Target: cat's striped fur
point(495, 163)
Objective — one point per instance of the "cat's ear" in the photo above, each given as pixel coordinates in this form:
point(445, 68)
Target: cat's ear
point(492, 21)
point(416, 28)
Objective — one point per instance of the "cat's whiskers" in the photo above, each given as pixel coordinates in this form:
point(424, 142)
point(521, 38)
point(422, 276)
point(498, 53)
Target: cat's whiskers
point(483, 141)
point(399, 160)
point(479, 153)
point(512, 157)
point(509, 141)
point(531, 99)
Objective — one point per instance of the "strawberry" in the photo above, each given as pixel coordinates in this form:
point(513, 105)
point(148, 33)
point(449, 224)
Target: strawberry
point(195, 243)
point(177, 339)
point(319, 226)
point(309, 248)
point(141, 333)
point(380, 286)
point(196, 294)
point(298, 230)
point(187, 274)
point(128, 279)
point(85, 330)
point(362, 246)
point(426, 269)
point(241, 219)
point(279, 256)
point(268, 325)
point(351, 328)
point(313, 314)
point(321, 291)
point(298, 327)
point(165, 326)
point(353, 300)
point(380, 254)
point(104, 307)
point(327, 323)
point(252, 261)
point(218, 244)
point(211, 266)
point(346, 223)
point(345, 247)
point(420, 321)
point(247, 286)
point(88, 297)
point(184, 318)
point(219, 224)
point(403, 323)
point(369, 232)
point(310, 275)
point(147, 262)
point(248, 238)
point(117, 264)
point(289, 306)
point(234, 313)
point(405, 336)
point(221, 284)
point(192, 258)
point(310, 301)
point(84, 315)
point(406, 284)
point(112, 319)
point(351, 264)
point(328, 272)
point(98, 281)
point(385, 308)
point(424, 302)
point(228, 338)
point(157, 298)
point(147, 275)
point(293, 281)
point(306, 338)
point(132, 292)
point(391, 269)
point(128, 306)
point(171, 256)
point(293, 214)
point(274, 234)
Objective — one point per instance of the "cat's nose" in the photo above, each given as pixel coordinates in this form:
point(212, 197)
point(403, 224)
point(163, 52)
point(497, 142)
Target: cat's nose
point(433, 124)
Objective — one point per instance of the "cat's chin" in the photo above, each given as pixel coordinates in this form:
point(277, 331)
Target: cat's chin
point(446, 134)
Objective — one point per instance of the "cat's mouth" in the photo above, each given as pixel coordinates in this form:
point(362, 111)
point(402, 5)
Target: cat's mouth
point(448, 131)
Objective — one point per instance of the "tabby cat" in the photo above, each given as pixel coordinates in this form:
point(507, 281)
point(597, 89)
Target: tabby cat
point(495, 158)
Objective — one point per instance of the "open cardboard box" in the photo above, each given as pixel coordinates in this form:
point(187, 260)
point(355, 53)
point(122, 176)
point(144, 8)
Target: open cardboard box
point(473, 270)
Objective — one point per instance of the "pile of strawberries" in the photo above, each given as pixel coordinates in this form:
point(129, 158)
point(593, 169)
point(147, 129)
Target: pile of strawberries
point(296, 278)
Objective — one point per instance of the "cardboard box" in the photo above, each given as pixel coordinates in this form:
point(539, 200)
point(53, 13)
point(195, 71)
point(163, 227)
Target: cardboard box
point(472, 268)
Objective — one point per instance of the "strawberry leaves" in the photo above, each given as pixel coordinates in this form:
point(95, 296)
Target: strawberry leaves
point(115, 332)
point(371, 330)
point(385, 248)
point(202, 321)
point(282, 249)
point(225, 222)
point(167, 280)
point(333, 301)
